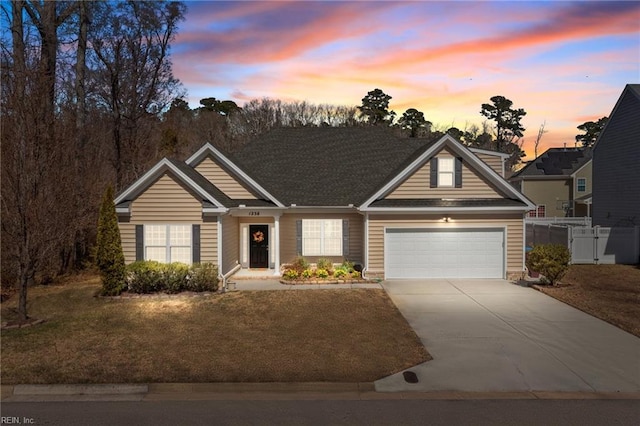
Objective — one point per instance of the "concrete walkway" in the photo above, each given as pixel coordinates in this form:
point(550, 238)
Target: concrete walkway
point(491, 335)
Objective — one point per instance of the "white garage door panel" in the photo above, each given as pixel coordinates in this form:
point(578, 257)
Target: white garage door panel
point(428, 253)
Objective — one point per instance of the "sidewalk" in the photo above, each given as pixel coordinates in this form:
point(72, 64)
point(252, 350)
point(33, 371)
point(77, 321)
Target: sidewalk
point(265, 392)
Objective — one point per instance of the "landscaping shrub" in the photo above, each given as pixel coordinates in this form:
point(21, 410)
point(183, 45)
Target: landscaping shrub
point(151, 277)
point(299, 264)
point(551, 260)
point(340, 273)
point(348, 266)
point(109, 255)
point(174, 277)
point(324, 263)
point(203, 277)
point(356, 274)
point(145, 276)
point(307, 273)
point(290, 274)
point(322, 273)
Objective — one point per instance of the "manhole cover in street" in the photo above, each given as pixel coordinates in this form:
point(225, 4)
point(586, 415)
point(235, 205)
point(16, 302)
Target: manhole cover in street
point(410, 377)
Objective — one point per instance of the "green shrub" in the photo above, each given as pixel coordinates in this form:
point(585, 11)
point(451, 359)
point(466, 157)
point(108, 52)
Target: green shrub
point(356, 274)
point(109, 255)
point(145, 276)
point(347, 266)
point(551, 260)
point(291, 274)
point(340, 273)
point(174, 277)
point(202, 277)
point(307, 273)
point(299, 264)
point(322, 273)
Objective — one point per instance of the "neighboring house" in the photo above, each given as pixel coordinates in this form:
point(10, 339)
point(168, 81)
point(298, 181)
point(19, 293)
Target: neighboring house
point(401, 207)
point(616, 164)
point(559, 183)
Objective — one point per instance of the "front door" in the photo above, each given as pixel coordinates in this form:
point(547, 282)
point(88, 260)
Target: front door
point(259, 246)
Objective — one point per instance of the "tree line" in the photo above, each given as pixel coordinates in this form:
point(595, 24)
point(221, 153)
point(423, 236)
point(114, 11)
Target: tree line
point(89, 100)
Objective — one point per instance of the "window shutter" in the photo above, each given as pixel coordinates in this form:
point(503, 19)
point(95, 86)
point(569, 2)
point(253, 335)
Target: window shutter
point(139, 242)
point(458, 169)
point(195, 243)
point(299, 237)
point(434, 173)
point(345, 237)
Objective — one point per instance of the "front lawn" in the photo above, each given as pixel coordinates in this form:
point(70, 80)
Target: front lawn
point(608, 292)
point(265, 336)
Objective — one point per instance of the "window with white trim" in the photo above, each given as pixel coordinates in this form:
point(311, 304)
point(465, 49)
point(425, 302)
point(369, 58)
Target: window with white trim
point(168, 243)
point(581, 185)
point(322, 237)
point(445, 172)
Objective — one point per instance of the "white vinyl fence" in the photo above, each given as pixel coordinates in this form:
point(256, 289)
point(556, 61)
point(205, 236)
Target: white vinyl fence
point(589, 244)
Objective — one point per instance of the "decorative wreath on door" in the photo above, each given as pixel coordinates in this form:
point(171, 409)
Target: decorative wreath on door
point(258, 236)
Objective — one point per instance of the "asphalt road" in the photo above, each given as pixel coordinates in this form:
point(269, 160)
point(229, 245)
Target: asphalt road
point(354, 412)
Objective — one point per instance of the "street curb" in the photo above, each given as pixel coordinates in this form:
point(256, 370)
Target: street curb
point(271, 391)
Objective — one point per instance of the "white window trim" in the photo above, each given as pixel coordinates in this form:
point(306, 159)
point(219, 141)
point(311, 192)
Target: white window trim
point(168, 246)
point(578, 184)
point(323, 249)
point(447, 172)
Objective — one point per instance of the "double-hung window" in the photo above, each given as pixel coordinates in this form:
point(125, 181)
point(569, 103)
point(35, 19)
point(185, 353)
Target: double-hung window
point(168, 243)
point(445, 172)
point(581, 185)
point(322, 237)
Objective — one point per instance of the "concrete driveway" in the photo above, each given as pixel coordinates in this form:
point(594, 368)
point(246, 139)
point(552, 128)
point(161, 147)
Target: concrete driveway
point(492, 335)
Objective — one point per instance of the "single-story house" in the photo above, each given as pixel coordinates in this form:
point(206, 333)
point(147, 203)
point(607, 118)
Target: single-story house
point(559, 183)
point(401, 207)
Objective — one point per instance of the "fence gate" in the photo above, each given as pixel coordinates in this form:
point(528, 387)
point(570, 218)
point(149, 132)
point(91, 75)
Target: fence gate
point(583, 245)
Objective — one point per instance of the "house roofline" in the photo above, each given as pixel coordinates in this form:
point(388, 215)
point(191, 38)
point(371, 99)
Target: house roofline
point(488, 152)
point(210, 149)
point(627, 88)
point(156, 171)
point(581, 167)
point(461, 149)
point(445, 209)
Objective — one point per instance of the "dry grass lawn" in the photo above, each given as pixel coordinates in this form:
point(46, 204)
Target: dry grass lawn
point(266, 336)
point(608, 292)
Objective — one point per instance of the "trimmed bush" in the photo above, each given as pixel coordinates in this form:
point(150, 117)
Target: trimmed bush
point(202, 277)
point(348, 266)
point(152, 277)
point(551, 260)
point(307, 273)
point(109, 255)
point(356, 274)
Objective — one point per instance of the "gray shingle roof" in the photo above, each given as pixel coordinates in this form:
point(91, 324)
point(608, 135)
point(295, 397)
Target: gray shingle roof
point(556, 162)
point(325, 166)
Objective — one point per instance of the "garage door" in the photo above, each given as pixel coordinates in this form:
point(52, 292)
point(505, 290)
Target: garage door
point(455, 253)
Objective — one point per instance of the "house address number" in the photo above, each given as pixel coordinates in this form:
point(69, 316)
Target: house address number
point(254, 213)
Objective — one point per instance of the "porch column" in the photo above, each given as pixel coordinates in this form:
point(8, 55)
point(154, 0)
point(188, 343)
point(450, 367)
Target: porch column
point(276, 243)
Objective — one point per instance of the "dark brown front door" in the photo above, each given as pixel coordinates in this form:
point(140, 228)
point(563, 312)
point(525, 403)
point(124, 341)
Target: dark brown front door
point(259, 246)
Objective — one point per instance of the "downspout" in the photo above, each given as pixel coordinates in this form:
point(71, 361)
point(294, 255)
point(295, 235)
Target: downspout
point(221, 277)
point(366, 245)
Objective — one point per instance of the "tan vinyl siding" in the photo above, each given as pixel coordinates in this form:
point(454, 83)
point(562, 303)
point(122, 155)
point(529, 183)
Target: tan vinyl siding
point(288, 236)
point(166, 201)
point(548, 192)
point(230, 243)
point(512, 222)
point(493, 161)
point(417, 185)
point(223, 180)
point(585, 172)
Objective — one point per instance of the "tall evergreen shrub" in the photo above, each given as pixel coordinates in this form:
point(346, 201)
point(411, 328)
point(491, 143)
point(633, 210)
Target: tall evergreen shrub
point(109, 254)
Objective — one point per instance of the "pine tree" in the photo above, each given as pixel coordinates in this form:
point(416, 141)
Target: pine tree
point(109, 255)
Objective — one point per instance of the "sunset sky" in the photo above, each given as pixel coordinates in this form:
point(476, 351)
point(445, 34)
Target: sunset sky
point(563, 62)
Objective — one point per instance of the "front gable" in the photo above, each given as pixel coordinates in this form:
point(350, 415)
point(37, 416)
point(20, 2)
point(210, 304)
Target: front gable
point(474, 185)
point(423, 183)
point(230, 185)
